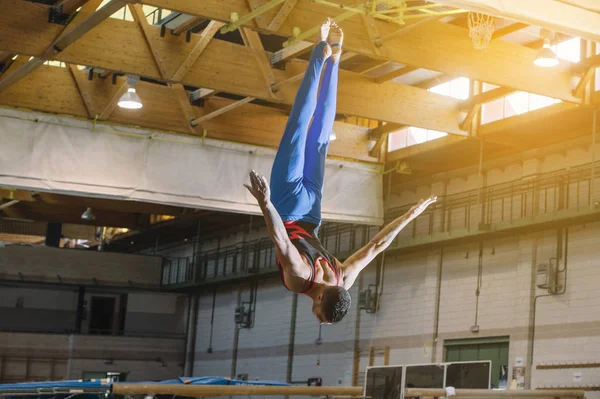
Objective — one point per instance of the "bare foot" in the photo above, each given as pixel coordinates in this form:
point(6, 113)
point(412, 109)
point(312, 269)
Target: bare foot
point(322, 37)
point(336, 38)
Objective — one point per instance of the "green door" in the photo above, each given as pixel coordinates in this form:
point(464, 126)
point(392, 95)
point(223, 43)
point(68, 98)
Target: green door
point(468, 350)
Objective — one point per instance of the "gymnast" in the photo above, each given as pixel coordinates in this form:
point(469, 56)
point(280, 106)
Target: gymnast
point(292, 204)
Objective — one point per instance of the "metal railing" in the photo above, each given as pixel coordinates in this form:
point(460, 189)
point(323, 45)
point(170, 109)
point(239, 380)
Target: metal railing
point(257, 256)
point(528, 197)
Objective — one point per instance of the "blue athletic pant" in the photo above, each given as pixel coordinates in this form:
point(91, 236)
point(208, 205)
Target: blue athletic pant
point(299, 166)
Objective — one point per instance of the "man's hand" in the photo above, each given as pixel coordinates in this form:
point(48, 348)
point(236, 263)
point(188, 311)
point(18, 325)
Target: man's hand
point(420, 207)
point(259, 188)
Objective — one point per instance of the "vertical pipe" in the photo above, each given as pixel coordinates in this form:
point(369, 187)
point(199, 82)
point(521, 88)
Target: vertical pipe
point(291, 344)
point(480, 181)
point(438, 296)
point(356, 362)
point(592, 183)
point(196, 269)
point(186, 356)
point(212, 320)
point(80, 310)
point(192, 328)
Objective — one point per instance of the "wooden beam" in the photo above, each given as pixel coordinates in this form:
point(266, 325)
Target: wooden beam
point(225, 69)
point(429, 146)
point(252, 40)
point(85, 97)
point(205, 37)
point(486, 97)
point(140, 18)
point(186, 107)
point(187, 25)
point(395, 74)
point(376, 133)
point(378, 149)
point(234, 390)
point(16, 64)
point(221, 111)
point(433, 45)
point(291, 52)
point(464, 125)
point(428, 84)
point(251, 124)
point(67, 37)
point(112, 103)
point(507, 30)
point(282, 14)
point(69, 6)
point(580, 89)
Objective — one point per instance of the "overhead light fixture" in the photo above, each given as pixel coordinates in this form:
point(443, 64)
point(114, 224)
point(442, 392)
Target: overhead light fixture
point(546, 57)
point(332, 136)
point(88, 215)
point(131, 100)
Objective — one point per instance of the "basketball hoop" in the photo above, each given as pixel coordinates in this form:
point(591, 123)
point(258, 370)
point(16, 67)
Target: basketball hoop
point(481, 27)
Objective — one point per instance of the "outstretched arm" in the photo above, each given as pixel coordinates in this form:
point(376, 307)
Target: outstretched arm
point(286, 252)
point(360, 259)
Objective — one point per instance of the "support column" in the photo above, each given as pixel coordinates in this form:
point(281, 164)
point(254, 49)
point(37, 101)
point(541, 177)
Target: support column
point(80, 310)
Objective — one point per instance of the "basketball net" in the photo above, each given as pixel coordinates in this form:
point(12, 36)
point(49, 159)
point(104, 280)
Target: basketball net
point(481, 27)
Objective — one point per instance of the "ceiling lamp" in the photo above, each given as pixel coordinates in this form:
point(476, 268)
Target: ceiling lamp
point(88, 215)
point(546, 57)
point(332, 136)
point(131, 100)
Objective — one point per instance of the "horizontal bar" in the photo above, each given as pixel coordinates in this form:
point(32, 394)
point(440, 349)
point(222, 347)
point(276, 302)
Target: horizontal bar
point(479, 393)
point(232, 390)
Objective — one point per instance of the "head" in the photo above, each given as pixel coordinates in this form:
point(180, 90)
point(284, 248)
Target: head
point(331, 305)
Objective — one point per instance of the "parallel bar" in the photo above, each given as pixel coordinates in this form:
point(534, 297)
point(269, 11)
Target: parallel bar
point(481, 393)
point(232, 390)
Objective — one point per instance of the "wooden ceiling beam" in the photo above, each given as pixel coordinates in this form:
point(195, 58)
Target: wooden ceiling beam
point(81, 24)
point(68, 7)
point(250, 124)
point(224, 68)
point(395, 74)
point(205, 37)
point(433, 45)
point(187, 25)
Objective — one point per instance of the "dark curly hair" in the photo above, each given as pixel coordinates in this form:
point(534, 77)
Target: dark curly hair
point(335, 303)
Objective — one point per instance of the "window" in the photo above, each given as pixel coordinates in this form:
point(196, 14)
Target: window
point(521, 102)
point(457, 88)
point(494, 349)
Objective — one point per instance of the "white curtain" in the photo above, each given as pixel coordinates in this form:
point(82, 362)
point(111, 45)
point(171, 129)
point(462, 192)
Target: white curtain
point(65, 155)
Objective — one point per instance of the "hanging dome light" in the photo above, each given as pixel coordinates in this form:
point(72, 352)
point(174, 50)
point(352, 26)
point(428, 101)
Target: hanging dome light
point(88, 215)
point(130, 100)
point(546, 57)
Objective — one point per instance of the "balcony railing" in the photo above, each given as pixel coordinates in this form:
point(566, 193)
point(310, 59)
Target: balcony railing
point(255, 257)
